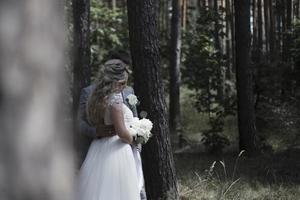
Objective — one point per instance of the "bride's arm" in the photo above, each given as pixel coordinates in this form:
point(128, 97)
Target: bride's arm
point(118, 121)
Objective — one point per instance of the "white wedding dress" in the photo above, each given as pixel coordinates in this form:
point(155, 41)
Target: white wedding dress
point(109, 171)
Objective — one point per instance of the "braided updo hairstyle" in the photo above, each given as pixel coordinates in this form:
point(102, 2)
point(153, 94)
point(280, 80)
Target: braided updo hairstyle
point(113, 70)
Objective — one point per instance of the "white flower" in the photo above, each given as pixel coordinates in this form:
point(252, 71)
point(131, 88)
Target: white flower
point(141, 127)
point(132, 99)
point(146, 124)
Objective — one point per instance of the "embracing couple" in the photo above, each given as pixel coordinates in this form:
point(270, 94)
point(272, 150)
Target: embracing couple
point(112, 169)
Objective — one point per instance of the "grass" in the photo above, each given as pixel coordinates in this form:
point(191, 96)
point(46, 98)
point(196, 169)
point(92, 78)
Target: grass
point(261, 178)
point(273, 176)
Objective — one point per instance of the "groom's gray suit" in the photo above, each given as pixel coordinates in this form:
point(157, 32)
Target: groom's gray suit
point(86, 129)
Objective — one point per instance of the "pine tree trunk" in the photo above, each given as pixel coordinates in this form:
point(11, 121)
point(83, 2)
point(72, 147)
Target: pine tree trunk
point(255, 54)
point(217, 42)
point(272, 36)
point(175, 48)
point(267, 28)
point(296, 11)
point(246, 117)
point(35, 145)
point(184, 13)
point(288, 29)
point(167, 19)
point(279, 15)
point(216, 29)
point(157, 155)
point(81, 71)
point(259, 30)
point(232, 24)
point(284, 28)
point(229, 73)
point(113, 4)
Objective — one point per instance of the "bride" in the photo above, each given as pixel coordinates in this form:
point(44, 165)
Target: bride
point(109, 171)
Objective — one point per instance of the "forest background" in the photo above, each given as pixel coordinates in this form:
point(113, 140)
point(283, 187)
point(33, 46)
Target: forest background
point(232, 83)
point(220, 79)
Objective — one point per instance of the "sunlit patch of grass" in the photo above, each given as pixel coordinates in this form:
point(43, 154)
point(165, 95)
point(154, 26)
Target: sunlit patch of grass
point(192, 121)
point(195, 123)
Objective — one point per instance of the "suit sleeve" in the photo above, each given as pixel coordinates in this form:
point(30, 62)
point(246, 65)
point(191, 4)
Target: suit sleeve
point(84, 126)
point(134, 109)
point(135, 113)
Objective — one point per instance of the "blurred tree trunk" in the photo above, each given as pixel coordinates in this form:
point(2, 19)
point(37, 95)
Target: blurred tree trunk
point(164, 24)
point(272, 36)
point(267, 27)
point(246, 116)
point(259, 30)
point(229, 73)
point(35, 149)
point(113, 4)
point(81, 70)
point(279, 14)
point(217, 43)
point(288, 29)
point(175, 48)
point(157, 155)
point(216, 28)
point(210, 4)
point(184, 13)
point(232, 25)
point(284, 27)
point(201, 4)
point(254, 32)
point(296, 10)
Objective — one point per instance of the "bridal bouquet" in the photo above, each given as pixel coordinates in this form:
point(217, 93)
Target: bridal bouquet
point(141, 128)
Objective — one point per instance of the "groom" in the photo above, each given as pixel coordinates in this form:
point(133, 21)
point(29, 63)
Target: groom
point(106, 131)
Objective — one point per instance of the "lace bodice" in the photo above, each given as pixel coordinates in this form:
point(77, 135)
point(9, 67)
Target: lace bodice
point(117, 98)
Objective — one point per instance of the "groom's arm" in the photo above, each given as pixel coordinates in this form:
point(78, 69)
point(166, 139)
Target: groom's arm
point(133, 109)
point(137, 145)
point(84, 127)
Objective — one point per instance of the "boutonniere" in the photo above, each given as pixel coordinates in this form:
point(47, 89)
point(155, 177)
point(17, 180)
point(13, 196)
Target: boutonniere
point(132, 100)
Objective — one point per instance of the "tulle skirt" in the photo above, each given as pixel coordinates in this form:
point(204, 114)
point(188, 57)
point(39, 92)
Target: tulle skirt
point(108, 172)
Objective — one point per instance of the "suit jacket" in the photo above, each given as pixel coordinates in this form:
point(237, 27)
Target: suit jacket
point(84, 127)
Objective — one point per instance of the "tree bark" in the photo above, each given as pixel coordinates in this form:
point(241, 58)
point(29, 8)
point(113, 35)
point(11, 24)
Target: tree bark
point(157, 155)
point(288, 29)
point(232, 24)
point(175, 48)
point(184, 13)
point(246, 116)
point(216, 28)
point(254, 32)
point(113, 4)
point(267, 27)
point(259, 30)
point(229, 74)
point(81, 70)
point(272, 36)
point(296, 10)
point(35, 149)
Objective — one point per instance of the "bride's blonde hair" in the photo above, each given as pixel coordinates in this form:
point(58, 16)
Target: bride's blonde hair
point(113, 70)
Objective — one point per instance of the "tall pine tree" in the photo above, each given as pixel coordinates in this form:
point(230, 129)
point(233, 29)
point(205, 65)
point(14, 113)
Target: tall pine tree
point(157, 155)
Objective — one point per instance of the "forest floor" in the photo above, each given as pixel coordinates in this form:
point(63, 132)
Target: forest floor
point(274, 175)
point(266, 177)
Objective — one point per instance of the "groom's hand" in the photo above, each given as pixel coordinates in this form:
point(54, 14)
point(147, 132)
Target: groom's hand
point(105, 131)
point(139, 140)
